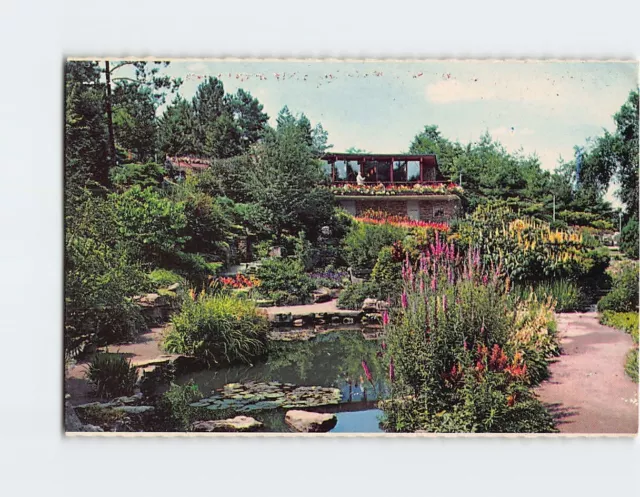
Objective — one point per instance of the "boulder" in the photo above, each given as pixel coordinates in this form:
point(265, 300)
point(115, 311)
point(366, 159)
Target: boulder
point(370, 305)
point(134, 409)
point(239, 423)
point(150, 298)
point(322, 295)
point(310, 422)
point(73, 424)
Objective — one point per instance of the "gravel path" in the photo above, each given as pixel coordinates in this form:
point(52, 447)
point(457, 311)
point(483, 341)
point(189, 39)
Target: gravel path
point(589, 392)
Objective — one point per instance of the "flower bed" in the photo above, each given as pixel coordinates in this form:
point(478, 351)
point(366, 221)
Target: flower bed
point(380, 189)
point(380, 217)
point(239, 281)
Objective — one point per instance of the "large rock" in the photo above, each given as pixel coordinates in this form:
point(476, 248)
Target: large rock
point(310, 422)
point(322, 294)
point(72, 422)
point(370, 305)
point(239, 423)
point(134, 409)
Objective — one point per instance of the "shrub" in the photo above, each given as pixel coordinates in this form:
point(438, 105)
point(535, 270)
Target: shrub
point(387, 273)
point(173, 407)
point(566, 294)
point(353, 295)
point(529, 249)
point(453, 360)
point(623, 296)
point(99, 283)
point(194, 268)
point(218, 329)
point(364, 242)
point(279, 276)
point(142, 175)
point(112, 375)
point(625, 321)
point(162, 278)
point(330, 278)
point(629, 238)
point(631, 364)
point(149, 224)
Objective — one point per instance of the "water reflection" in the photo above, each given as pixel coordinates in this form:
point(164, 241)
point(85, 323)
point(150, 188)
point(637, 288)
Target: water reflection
point(330, 360)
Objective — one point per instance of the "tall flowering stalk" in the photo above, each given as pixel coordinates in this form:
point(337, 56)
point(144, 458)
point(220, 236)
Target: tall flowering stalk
point(452, 305)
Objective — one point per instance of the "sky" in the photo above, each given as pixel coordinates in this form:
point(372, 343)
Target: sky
point(544, 107)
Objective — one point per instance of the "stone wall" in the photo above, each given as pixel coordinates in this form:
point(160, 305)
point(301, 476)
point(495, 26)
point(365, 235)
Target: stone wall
point(434, 208)
point(394, 207)
point(440, 209)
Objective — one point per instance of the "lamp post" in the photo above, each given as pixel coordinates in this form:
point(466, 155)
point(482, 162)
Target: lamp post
point(620, 222)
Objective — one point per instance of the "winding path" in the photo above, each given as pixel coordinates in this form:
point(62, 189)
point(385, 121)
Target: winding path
point(589, 392)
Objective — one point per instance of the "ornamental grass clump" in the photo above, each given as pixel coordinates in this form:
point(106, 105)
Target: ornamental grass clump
point(218, 329)
point(112, 375)
point(451, 353)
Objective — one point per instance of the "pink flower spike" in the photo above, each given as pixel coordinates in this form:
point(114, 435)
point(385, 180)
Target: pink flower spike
point(444, 303)
point(367, 372)
point(404, 300)
point(385, 318)
point(434, 284)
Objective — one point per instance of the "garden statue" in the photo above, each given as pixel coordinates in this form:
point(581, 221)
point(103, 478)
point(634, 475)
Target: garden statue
point(360, 179)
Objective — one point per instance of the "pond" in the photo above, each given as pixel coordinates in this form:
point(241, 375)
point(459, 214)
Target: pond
point(332, 359)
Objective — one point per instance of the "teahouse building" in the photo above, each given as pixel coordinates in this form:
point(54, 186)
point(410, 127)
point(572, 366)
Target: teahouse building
point(406, 185)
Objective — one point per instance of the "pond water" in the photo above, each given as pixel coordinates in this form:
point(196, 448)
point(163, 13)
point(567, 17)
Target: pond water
point(331, 359)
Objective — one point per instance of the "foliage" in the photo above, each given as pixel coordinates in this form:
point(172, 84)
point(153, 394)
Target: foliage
point(453, 360)
point(625, 321)
point(283, 278)
point(210, 221)
point(162, 278)
point(630, 239)
point(631, 364)
point(218, 329)
point(364, 241)
point(145, 175)
point(174, 409)
point(535, 335)
point(148, 223)
point(283, 181)
point(387, 273)
point(623, 296)
point(353, 295)
point(100, 277)
point(567, 295)
point(112, 375)
point(528, 249)
point(329, 278)
point(193, 267)
point(213, 124)
point(85, 132)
